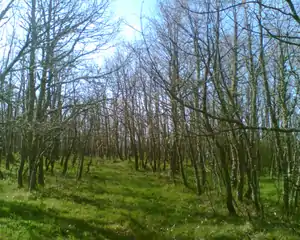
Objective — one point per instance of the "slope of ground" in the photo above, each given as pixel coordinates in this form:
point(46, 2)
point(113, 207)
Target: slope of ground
point(115, 202)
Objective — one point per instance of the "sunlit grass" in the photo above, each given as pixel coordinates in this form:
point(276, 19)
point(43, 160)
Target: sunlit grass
point(115, 202)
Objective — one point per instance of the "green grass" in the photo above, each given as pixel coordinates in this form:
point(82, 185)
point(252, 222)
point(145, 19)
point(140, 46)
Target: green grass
point(115, 202)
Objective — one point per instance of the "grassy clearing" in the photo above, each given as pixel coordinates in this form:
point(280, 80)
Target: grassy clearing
point(114, 202)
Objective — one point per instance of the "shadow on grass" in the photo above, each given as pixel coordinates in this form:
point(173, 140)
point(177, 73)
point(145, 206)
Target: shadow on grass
point(67, 227)
point(163, 211)
point(156, 206)
point(188, 216)
point(271, 223)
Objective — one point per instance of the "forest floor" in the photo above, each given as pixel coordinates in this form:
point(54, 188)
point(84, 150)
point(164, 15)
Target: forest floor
point(115, 202)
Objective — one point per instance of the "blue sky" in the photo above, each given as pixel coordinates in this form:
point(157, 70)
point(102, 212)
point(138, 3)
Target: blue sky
point(130, 10)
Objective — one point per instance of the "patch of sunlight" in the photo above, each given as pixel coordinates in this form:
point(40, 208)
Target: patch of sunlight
point(223, 230)
point(273, 235)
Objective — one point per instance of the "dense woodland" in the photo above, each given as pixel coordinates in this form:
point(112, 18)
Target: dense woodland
point(209, 91)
